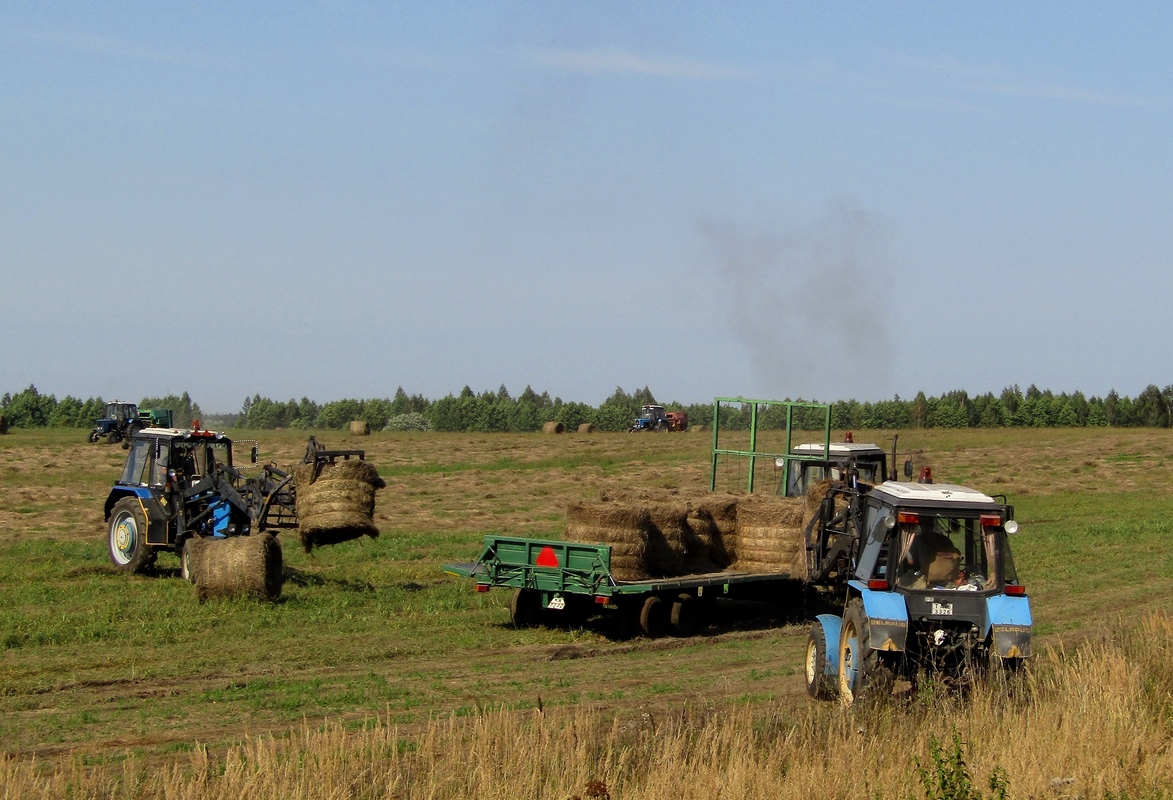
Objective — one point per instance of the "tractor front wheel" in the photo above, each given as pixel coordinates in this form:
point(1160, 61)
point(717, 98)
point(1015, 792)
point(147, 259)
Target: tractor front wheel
point(94, 436)
point(862, 674)
point(185, 559)
point(128, 536)
point(818, 682)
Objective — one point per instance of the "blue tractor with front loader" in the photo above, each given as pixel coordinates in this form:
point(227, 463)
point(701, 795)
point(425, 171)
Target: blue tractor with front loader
point(927, 585)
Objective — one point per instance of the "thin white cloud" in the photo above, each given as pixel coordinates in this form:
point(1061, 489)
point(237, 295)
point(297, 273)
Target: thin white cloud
point(110, 47)
point(621, 62)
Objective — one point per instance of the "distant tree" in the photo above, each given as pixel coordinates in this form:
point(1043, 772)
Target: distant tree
point(1149, 409)
point(29, 408)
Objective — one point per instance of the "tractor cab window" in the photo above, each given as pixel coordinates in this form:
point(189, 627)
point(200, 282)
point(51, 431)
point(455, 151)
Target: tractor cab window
point(950, 553)
point(138, 463)
point(194, 460)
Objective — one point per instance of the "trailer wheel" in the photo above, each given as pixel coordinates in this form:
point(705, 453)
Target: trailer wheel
point(523, 608)
point(684, 615)
point(818, 682)
point(185, 565)
point(653, 617)
point(862, 674)
point(128, 536)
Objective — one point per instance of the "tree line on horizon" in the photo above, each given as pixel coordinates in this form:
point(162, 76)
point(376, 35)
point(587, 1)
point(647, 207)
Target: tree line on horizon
point(498, 411)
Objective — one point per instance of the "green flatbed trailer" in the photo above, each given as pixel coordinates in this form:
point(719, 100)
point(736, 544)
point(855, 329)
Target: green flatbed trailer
point(557, 582)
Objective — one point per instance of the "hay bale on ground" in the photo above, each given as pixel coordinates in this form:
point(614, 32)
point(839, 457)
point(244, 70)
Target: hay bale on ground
point(360, 427)
point(238, 566)
point(553, 427)
point(336, 502)
point(624, 528)
point(770, 534)
point(586, 427)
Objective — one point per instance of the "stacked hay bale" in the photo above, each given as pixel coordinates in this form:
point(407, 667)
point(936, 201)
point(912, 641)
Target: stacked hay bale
point(360, 427)
point(623, 527)
point(770, 535)
point(719, 511)
point(336, 502)
point(249, 566)
point(667, 536)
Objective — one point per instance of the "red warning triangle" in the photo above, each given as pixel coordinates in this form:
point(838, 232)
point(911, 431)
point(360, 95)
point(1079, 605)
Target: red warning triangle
point(547, 557)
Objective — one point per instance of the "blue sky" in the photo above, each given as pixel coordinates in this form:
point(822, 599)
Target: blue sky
point(816, 200)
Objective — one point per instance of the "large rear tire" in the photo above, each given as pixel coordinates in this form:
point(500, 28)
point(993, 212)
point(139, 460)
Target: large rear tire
point(127, 538)
point(862, 674)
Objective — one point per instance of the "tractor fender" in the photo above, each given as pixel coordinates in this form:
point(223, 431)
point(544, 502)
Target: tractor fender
point(831, 624)
point(157, 533)
point(1009, 621)
point(887, 614)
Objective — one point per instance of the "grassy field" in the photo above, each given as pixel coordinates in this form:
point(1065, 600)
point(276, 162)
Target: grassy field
point(103, 669)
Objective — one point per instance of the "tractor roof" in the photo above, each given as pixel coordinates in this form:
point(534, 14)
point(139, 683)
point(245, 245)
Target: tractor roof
point(933, 492)
point(182, 433)
point(844, 449)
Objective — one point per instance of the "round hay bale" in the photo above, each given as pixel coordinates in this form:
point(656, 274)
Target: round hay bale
point(553, 427)
point(336, 502)
point(586, 427)
point(249, 566)
point(360, 427)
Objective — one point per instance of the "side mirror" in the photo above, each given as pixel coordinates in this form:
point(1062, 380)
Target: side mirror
point(908, 469)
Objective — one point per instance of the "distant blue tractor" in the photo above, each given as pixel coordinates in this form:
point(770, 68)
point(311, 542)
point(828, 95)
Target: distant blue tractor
point(654, 418)
point(928, 587)
point(123, 420)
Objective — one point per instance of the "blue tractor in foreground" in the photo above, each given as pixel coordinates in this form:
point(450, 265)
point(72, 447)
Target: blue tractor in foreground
point(928, 587)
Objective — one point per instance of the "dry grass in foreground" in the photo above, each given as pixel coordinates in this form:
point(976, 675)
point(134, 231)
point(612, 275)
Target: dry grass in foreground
point(1094, 723)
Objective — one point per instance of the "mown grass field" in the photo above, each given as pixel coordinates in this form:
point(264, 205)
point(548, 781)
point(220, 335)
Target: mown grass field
point(101, 668)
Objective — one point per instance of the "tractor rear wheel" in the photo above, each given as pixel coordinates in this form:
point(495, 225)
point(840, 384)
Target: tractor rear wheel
point(862, 674)
point(128, 536)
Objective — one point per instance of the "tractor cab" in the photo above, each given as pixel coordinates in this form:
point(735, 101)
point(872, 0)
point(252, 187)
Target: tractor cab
point(809, 465)
point(121, 412)
point(654, 418)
